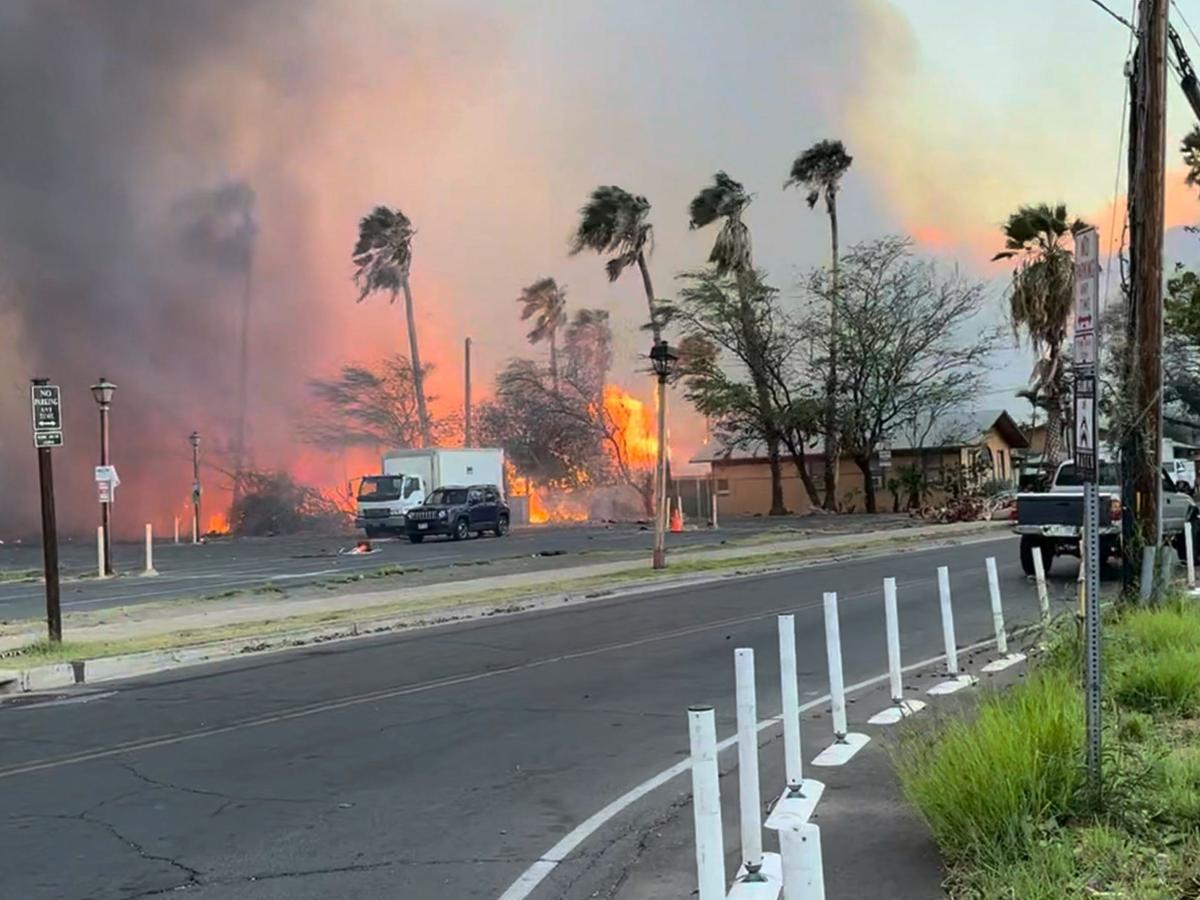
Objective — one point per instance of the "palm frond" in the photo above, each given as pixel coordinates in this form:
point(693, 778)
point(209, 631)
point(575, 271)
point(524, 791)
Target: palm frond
point(819, 169)
point(382, 254)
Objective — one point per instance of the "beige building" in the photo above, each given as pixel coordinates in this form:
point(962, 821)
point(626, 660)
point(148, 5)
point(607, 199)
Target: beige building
point(952, 456)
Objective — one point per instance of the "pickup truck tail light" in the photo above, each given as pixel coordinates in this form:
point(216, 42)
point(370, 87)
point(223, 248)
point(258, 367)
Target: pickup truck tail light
point(1012, 513)
point(1114, 509)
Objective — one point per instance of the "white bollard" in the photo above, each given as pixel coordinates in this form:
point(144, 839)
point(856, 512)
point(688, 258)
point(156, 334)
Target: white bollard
point(900, 707)
point(803, 873)
point(195, 536)
point(149, 550)
point(714, 510)
point(943, 575)
point(800, 795)
point(177, 529)
point(997, 608)
point(1039, 574)
point(1146, 589)
point(749, 796)
point(845, 745)
point(706, 803)
point(100, 573)
point(1189, 549)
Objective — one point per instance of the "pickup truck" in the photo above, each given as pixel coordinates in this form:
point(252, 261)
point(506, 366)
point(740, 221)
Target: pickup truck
point(1049, 522)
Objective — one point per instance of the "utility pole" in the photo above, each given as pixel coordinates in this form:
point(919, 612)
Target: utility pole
point(467, 393)
point(194, 437)
point(1147, 167)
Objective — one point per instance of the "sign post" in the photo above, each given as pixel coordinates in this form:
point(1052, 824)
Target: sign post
point(46, 400)
point(1086, 456)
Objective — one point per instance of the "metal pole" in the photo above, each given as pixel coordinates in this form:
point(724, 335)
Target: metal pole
point(467, 393)
point(749, 796)
point(892, 618)
point(1146, 590)
point(997, 608)
point(660, 477)
point(195, 439)
point(106, 507)
point(706, 803)
point(943, 574)
point(50, 544)
point(1039, 574)
point(1091, 511)
point(833, 649)
point(789, 690)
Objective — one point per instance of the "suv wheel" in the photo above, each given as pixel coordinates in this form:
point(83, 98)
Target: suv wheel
point(502, 526)
point(462, 530)
point(1029, 546)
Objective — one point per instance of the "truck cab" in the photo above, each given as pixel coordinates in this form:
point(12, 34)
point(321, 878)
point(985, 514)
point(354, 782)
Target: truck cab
point(384, 502)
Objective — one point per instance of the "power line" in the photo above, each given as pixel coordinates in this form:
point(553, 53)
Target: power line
point(1120, 18)
point(1186, 24)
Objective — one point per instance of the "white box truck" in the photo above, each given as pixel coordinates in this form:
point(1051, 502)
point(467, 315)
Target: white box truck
point(409, 476)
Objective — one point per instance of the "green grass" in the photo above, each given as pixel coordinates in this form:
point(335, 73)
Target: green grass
point(20, 574)
point(1165, 682)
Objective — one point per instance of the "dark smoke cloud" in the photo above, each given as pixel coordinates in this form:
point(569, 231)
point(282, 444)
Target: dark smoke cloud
point(217, 225)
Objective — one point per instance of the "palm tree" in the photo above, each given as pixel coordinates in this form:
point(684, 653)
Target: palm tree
point(548, 302)
point(1043, 288)
point(382, 259)
point(726, 199)
point(819, 169)
point(1190, 148)
point(614, 221)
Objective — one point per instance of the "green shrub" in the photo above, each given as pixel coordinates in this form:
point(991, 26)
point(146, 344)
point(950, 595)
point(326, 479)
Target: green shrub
point(1166, 682)
point(987, 785)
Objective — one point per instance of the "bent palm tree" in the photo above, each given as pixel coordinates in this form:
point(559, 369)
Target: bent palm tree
point(382, 259)
point(548, 302)
point(819, 169)
point(1043, 288)
point(726, 199)
point(614, 221)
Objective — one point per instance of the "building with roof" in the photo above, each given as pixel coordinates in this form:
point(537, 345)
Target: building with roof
point(925, 464)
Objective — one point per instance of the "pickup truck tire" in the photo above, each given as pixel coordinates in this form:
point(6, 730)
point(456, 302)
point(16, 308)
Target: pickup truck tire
point(501, 528)
point(462, 530)
point(1030, 545)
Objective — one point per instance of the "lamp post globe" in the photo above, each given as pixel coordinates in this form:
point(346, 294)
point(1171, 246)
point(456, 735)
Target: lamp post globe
point(663, 359)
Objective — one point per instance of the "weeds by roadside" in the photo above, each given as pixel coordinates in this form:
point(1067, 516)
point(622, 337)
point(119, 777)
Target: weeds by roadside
point(1003, 790)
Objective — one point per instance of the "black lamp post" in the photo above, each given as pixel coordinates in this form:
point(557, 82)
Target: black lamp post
point(663, 358)
point(102, 393)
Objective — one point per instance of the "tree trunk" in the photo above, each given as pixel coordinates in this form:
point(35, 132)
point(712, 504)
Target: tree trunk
point(418, 371)
point(864, 466)
point(832, 451)
point(646, 283)
point(800, 459)
point(777, 507)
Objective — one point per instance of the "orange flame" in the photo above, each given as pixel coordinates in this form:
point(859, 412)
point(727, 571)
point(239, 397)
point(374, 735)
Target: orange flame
point(218, 523)
point(634, 426)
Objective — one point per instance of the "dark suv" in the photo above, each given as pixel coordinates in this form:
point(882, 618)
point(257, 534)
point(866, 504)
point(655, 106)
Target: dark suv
point(458, 512)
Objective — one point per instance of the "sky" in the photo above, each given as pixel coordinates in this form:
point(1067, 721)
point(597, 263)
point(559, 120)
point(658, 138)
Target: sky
point(488, 124)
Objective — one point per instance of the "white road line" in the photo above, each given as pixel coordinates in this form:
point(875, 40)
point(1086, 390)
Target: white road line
point(549, 861)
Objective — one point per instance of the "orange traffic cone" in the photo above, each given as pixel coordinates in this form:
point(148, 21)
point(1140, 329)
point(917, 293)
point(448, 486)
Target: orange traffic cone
point(676, 521)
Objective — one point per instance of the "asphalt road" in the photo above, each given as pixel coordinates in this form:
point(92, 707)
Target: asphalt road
point(228, 564)
point(436, 764)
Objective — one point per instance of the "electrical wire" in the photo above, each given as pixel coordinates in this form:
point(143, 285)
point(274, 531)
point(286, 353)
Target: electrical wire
point(1186, 24)
point(1115, 15)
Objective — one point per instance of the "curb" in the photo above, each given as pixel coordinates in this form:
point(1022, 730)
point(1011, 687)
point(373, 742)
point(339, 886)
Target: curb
point(130, 665)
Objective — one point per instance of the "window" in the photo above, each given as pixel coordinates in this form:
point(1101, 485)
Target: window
point(448, 497)
point(379, 488)
point(411, 486)
point(722, 485)
point(491, 496)
point(475, 496)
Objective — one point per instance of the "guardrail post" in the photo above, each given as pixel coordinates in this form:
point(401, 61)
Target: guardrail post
point(900, 707)
point(1039, 574)
point(845, 745)
point(749, 796)
point(803, 872)
point(706, 803)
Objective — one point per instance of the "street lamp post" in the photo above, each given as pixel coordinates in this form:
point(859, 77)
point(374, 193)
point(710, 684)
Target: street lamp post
point(194, 437)
point(102, 393)
point(663, 358)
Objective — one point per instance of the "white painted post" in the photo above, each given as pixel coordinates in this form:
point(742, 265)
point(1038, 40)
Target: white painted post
point(1189, 548)
point(195, 536)
point(1039, 574)
point(947, 620)
point(997, 609)
point(803, 873)
point(706, 803)
point(749, 797)
point(177, 529)
point(893, 638)
point(100, 573)
point(714, 511)
point(149, 550)
point(793, 764)
point(1146, 589)
point(833, 648)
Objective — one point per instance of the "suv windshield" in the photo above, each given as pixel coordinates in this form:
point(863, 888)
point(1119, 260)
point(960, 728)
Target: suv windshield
point(448, 497)
point(380, 487)
point(1068, 475)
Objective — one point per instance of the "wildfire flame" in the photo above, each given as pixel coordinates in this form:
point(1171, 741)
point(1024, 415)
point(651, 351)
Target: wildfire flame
point(218, 523)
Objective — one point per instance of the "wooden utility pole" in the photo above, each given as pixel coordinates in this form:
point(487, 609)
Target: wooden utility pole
point(467, 393)
point(1147, 168)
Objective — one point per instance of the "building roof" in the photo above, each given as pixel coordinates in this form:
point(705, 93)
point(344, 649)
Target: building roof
point(965, 429)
